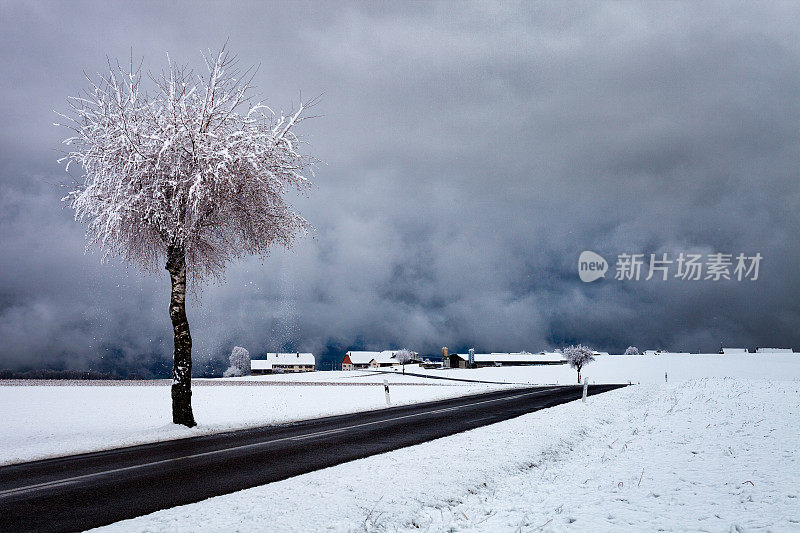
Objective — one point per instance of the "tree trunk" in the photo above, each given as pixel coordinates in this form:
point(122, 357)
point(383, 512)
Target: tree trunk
point(182, 356)
point(579, 375)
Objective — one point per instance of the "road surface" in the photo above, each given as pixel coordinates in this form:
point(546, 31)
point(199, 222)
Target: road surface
point(89, 490)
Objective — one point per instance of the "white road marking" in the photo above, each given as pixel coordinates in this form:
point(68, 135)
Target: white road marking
point(318, 433)
point(75, 479)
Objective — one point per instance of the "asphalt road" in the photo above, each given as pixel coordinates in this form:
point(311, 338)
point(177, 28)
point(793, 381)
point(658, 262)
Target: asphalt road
point(94, 489)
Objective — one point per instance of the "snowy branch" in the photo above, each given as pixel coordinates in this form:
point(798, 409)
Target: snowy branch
point(196, 166)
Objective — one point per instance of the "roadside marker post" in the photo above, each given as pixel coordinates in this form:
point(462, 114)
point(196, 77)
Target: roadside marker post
point(585, 388)
point(386, 390)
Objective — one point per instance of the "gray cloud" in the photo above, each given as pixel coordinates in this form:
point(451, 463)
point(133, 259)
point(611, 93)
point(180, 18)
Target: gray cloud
point(472, 152)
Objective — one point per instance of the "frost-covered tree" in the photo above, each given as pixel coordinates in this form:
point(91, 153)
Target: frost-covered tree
point(403, 357)
point(188, 176)
point(632, 350)
point(578, 357)
point(239, 363)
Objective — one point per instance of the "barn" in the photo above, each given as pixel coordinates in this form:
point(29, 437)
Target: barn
point(458, 360)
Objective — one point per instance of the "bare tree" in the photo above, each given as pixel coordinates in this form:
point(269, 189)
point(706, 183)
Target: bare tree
point(404, 356)
point(632, 350)
point(189, 177)
point(578, 356)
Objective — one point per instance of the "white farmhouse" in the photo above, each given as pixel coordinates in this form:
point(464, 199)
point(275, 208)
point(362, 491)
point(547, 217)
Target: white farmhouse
point(283, 362)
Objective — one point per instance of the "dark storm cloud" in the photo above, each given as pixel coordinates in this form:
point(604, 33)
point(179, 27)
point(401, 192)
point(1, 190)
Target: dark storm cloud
point(472, 152)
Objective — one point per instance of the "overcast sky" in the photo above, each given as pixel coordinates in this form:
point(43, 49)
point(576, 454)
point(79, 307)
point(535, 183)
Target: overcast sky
point(472, 152)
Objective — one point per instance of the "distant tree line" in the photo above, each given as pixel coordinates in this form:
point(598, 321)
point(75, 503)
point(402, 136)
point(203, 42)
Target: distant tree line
point(63, 374)
point(210, 369)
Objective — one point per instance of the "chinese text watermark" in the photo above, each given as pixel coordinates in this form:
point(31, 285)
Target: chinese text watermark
point(684, 266)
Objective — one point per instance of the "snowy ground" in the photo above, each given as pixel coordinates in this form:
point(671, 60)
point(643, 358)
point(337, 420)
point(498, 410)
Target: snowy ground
point(641, 369)
point(43, 419)
point(64, 418)
point(705, 455)
point(339, 377)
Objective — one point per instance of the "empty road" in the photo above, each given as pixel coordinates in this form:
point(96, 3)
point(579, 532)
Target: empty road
point(94, 489)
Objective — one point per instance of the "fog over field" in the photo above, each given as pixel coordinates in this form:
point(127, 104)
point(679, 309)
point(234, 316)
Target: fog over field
point(471, 153)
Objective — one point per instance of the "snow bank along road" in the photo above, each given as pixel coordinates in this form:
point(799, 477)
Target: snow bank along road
point(99, 488)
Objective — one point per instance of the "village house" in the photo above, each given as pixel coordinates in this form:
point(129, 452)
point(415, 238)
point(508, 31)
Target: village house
point(276, 363)
point(355, 360)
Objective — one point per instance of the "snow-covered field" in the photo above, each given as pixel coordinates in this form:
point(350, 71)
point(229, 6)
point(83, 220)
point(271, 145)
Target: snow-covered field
point(44, 421)
point(641, 369)
point(339, 377)
point(704, 455)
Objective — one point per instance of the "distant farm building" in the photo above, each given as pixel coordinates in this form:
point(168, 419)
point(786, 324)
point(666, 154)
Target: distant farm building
point(371, 360)
point(774, 350)
point(277, 363)
point(457, 360)
point(733, 350)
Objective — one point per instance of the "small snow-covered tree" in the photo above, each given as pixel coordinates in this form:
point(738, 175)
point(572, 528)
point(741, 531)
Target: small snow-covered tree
point(578, 357)
point(632, 350)
point(404, 356)
point(189, 176)
point(239, 363)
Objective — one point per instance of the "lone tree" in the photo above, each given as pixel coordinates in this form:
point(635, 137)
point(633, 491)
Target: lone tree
point(189, 176)
point(578, 356)
point(404, 356)
point(239, 363)
point(632, 350)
